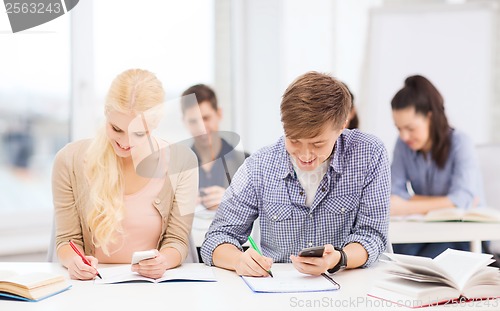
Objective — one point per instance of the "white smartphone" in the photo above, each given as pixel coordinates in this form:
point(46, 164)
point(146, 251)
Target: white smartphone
point(138, 256)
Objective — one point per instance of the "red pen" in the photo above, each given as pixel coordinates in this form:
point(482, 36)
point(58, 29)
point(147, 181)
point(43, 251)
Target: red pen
point(73, 246)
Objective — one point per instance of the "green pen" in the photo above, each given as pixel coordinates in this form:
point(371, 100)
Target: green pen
point(254, 246)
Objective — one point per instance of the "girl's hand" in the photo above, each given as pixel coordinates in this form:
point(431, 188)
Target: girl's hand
point(78, 270)
point(152, 268)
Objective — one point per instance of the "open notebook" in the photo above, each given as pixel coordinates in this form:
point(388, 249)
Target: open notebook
point(291, 282)
point(482, 214)
point(184, 273)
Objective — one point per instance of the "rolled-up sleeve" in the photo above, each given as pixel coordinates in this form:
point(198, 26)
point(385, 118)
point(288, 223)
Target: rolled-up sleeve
point(372, 224)
point(235, 216)
point(465, 173)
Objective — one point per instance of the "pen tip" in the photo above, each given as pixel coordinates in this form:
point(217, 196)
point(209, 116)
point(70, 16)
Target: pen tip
point(270, 273)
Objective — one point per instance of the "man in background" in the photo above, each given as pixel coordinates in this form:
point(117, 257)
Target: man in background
point(217, 159)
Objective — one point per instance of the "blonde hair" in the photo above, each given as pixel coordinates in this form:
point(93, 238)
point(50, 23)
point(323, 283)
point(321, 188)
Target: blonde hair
point(133, 91)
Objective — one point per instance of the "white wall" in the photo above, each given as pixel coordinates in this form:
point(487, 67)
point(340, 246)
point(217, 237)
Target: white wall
point(451, 45)
point(256, 73)
point(351, 35)
point(274, 41)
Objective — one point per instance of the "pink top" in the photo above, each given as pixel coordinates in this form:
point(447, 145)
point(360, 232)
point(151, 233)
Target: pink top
point(141, 224)
point(175, 201)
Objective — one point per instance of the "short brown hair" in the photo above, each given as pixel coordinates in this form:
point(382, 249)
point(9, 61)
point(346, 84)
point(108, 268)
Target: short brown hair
point(312, 101)
point(202, 92)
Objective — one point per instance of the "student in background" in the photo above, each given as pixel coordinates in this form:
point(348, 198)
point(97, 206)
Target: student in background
point(202, 117)
point(108, 206)
point(437, 161)
point(317, 186)
point(352, 118)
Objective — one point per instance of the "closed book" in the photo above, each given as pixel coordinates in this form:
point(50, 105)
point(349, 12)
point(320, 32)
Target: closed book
point(31, 286)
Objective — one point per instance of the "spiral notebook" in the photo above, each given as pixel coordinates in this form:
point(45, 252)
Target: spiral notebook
point(291, 282)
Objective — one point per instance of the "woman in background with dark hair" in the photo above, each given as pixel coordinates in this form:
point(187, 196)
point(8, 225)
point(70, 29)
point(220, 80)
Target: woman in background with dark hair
point(435, 160)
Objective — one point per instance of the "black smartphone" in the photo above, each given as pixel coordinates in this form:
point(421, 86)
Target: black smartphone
point(316, 251)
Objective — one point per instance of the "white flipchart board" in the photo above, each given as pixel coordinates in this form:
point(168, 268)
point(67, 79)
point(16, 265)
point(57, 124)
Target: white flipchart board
point(452, 45)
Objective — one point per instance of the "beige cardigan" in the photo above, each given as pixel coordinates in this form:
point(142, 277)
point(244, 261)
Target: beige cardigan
point(175, 202)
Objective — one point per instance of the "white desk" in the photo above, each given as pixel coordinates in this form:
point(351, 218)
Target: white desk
point(228, 293)
point(431, 232)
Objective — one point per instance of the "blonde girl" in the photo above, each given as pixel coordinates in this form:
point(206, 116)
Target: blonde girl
point(109, 203)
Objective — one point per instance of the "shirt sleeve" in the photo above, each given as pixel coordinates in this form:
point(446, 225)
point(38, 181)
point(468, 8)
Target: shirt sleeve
point(465, 172)
point(372, 224)
point(398, 172)
point(236, 213)
point(68, 226)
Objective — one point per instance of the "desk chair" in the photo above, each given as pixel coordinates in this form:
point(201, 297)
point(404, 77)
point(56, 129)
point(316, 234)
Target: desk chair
point(192, 256)
point(488, 155)
point(51, 251)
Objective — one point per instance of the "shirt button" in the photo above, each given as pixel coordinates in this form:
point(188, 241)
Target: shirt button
point(157, 201)
point(323, 189)
point(310, 215)
point(301, 193)
point(342, 209)
point(310, 244)
point(275, 217)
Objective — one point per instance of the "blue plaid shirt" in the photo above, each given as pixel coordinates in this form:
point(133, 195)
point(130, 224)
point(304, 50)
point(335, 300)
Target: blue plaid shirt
point(351, 203)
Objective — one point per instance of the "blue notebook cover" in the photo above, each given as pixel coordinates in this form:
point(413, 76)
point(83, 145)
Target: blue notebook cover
point(8, 296)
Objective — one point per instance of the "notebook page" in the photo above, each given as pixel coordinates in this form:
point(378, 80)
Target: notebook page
point(290, 282)
point(119, 274)
point(189, 272)
point(186, 272)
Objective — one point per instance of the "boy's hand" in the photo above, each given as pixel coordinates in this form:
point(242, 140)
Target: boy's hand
point(317, 265)
point(252, 263)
